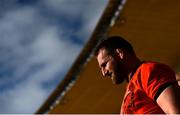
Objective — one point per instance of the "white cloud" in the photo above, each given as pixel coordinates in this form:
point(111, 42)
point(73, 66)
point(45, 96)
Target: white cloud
point(24, 98)
point(70, 8)
point(36, 49)
point(91, 16)
point(74, 10)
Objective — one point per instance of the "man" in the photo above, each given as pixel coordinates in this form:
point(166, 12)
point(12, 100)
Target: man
point(152, 87)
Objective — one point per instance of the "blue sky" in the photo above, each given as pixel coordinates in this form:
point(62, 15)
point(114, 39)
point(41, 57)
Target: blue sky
point(39, 40)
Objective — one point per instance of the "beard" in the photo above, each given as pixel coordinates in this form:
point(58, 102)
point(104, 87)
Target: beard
point(119, 74)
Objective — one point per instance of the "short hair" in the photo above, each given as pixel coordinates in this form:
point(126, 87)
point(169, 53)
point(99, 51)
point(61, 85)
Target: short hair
point(112, 43)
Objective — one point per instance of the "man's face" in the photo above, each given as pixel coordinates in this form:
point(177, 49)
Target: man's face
point(111, 67)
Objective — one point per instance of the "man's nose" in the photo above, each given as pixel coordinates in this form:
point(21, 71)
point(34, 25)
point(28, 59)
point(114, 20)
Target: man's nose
point(104, 72)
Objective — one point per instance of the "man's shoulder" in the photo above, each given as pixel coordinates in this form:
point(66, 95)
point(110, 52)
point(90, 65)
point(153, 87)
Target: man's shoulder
point(153, 64)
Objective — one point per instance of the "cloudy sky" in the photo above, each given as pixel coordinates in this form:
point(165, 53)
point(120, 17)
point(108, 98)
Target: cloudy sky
point(39, 40)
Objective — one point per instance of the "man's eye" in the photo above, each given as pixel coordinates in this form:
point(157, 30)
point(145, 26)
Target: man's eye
point(104, 64)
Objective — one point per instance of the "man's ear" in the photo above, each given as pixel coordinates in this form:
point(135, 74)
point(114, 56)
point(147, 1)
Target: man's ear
point(119, 53)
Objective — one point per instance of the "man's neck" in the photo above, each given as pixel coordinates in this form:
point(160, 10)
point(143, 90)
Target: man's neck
point(133, 65)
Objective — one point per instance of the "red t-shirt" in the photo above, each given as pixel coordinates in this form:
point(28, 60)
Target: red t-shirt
point(148, 81)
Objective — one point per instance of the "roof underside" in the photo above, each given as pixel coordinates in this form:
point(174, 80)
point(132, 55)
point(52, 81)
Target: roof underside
point(152, 26)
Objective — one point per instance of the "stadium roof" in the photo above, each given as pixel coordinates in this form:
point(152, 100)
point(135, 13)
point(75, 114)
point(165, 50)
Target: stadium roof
point(153, 29)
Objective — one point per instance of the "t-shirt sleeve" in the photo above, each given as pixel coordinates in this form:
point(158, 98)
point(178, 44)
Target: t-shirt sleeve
point(156, 78)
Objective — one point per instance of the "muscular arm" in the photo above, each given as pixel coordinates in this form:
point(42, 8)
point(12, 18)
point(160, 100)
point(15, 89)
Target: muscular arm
point(169, 99)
